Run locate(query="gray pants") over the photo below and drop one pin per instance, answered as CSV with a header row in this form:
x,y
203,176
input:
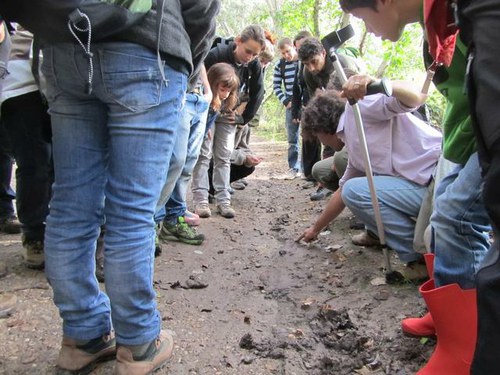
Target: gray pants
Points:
x,y
329,171
220,146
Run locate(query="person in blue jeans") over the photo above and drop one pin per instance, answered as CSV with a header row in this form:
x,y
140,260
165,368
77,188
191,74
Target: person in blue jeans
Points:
x,y
112,148
182,162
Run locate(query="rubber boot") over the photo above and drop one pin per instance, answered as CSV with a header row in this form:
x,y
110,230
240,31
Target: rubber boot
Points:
x,y
454,312
423,326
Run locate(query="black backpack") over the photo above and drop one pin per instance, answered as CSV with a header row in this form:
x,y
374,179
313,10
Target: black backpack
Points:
x,y
63,20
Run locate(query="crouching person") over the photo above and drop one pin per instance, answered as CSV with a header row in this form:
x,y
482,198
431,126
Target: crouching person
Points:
x,y
403,151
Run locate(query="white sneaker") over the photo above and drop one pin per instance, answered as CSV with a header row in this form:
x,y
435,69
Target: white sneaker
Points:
x,y
292,174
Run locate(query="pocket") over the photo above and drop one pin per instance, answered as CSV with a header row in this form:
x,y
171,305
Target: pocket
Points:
x,y
48,80
132,81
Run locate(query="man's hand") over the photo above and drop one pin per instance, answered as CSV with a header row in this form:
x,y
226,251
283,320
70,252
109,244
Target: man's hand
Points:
x,y
355,87
310,234
252,160
289,105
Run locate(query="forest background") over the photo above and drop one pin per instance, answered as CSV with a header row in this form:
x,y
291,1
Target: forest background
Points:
x,y
285,18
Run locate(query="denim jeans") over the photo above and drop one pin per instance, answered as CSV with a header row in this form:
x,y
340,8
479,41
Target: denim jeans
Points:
x,y
30,138
184,158
111,155
292,132
399,201
460,224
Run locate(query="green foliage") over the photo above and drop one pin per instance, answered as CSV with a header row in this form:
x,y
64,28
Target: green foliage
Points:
x,y
401,60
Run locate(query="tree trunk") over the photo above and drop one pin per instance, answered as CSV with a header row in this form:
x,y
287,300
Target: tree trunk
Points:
x,y
316,9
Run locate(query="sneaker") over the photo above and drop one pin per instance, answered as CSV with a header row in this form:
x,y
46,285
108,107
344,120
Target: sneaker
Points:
x,y
191,218
365,238
238,185
10,225
33,254
225,210
320,194
81,357
230,190
8,303
244,181
180,232
203,210
292,174
144,359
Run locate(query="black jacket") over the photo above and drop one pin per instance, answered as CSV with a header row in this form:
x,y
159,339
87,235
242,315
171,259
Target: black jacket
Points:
x,y
251,77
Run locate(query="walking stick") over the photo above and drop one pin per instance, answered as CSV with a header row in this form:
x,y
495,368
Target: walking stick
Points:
x,y
331,42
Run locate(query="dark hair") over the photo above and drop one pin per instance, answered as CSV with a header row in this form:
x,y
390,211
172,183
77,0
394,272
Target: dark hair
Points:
x,y
322,113
285,42
310,48
334,81
225,75
254,32
349,5
301,35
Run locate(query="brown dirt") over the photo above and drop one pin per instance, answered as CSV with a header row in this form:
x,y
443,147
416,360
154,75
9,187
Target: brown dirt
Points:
x,y
271,306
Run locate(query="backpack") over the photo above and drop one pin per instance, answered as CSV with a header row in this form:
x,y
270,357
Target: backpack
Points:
x,y
65,20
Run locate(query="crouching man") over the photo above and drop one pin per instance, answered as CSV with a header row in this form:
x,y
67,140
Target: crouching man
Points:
x,y
403,151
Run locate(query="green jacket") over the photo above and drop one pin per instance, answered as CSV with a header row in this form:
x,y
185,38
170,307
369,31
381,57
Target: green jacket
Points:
x,y
458,141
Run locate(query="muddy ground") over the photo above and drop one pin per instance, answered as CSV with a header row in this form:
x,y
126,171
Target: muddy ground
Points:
x,y
249,300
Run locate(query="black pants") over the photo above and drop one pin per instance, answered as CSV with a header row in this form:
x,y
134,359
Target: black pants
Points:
x,y
311,154
237,173
27,123
480,26
7,195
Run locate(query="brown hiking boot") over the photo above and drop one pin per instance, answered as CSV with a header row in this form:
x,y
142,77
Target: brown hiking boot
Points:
x,y
81,358
8,303
203,210
144,359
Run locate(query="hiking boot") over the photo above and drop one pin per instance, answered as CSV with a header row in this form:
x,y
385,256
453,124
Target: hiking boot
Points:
x,y
238,185
365,238
81,357
191,218
225,210
309,184
144,359
180,232
320,194
243,181
203,210
8,303
292,174
10,225
230,190
33,254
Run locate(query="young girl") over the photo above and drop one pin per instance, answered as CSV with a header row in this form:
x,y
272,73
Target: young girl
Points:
x,y
224,83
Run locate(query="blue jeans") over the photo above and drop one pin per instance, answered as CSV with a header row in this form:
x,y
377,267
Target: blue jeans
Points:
x,y
292,132
460,225
184,158
111,154
399,201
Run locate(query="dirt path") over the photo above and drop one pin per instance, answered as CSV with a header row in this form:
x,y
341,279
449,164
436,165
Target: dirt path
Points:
x,y
266,304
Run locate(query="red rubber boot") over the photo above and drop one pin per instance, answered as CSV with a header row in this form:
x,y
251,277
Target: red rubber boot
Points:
x,y
454,312
423,326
